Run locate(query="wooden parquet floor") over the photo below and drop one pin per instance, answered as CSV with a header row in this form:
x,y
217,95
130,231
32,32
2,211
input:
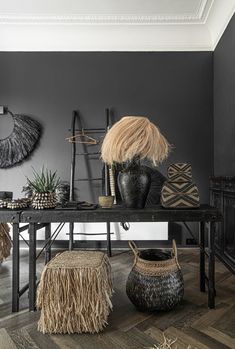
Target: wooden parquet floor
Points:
x,y
192,323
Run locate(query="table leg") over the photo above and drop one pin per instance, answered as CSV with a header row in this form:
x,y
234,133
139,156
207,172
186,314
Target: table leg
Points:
x,y
109,251
15,268
71,241
202,256
48,246
211,265
32,266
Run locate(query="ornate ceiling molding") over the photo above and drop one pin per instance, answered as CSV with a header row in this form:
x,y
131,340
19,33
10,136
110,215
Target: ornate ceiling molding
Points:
x,y
110,19
197,31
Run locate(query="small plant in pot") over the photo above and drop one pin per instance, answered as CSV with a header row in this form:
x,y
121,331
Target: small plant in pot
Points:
x,y
130,140
44,185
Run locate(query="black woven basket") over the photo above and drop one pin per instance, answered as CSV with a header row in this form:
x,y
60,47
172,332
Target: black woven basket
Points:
x,y
155,281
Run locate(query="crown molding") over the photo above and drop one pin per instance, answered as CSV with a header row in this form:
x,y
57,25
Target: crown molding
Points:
x,y
198,31
98,38
108,19
99,19
203,10
218,19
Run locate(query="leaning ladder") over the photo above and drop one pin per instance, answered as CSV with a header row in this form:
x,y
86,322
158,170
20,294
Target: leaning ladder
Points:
x,y
76,126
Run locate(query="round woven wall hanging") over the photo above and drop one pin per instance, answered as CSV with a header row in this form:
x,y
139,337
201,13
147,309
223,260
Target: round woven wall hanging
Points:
x,y
21,142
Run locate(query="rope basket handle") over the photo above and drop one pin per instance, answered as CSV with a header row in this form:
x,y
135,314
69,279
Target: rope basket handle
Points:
x,y
174,252
135,250
133,247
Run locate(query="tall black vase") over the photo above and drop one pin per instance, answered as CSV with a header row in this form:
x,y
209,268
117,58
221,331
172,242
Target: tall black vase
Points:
x,y
134,184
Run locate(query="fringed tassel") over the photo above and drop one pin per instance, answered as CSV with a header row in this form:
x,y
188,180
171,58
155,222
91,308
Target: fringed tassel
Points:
x,y
5,241
75,300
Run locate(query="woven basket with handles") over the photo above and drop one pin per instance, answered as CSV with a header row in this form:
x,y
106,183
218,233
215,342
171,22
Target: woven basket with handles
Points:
x,y
155,281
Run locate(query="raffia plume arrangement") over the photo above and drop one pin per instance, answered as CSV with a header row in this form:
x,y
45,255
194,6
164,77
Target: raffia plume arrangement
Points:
x,y
74,293
5,241
167,344
131,137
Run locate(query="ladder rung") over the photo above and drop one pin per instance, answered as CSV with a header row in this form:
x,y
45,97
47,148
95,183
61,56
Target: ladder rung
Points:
x,y
90,130
94,153
88,179
90,234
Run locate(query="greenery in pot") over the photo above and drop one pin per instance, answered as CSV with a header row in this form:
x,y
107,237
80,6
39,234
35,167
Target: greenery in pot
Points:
x,y
45,181
44,185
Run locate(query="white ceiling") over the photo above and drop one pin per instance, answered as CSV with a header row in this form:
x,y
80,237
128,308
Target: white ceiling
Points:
x,y
112,25
158,10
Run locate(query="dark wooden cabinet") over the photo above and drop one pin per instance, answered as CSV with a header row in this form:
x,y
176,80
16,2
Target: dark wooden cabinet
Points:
x,y
222,196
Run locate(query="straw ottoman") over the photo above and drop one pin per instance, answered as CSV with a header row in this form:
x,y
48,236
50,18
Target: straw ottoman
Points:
x,y
74,293
5,241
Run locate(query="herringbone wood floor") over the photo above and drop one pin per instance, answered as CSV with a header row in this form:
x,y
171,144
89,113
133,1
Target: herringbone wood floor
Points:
x,y
191,322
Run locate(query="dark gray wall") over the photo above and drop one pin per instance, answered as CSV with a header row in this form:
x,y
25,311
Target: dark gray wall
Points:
x,y
224,102
173,89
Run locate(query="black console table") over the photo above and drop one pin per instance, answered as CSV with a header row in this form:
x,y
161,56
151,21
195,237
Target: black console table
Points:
x,y
206,216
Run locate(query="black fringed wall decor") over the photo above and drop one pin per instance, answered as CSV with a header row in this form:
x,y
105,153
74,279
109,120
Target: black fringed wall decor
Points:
x,y
21,142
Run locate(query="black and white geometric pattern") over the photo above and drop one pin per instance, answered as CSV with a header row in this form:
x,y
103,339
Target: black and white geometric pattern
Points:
x,y
179,191
180,195
180,172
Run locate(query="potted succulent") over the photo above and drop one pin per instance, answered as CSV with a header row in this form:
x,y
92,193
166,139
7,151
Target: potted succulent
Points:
x,y
129,141
44,185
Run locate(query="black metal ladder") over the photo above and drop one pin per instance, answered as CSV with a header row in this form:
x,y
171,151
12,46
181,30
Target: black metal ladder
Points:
x,y
77,126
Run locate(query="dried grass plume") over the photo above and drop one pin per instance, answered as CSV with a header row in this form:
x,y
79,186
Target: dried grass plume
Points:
x,y
134,136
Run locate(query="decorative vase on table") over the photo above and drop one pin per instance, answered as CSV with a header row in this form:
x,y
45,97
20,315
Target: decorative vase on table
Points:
x,y
134,183
130,140
62,193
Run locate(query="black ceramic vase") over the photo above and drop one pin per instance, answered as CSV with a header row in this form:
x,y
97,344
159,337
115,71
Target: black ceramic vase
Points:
x,y
134,184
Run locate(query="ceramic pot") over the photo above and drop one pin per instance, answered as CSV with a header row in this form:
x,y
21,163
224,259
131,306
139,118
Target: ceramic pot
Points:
x,y
106,201
134,184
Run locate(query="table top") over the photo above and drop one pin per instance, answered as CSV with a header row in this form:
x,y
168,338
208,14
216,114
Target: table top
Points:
x,y
9,216
204,213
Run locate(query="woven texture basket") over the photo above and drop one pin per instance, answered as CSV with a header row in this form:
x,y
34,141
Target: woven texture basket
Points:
x,y
74,293
155,281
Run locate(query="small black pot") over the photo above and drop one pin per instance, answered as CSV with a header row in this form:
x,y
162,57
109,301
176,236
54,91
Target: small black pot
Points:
x,y
134,184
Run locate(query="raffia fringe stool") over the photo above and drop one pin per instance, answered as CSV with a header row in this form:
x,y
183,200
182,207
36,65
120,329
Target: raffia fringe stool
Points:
x,y
74,293
5,241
